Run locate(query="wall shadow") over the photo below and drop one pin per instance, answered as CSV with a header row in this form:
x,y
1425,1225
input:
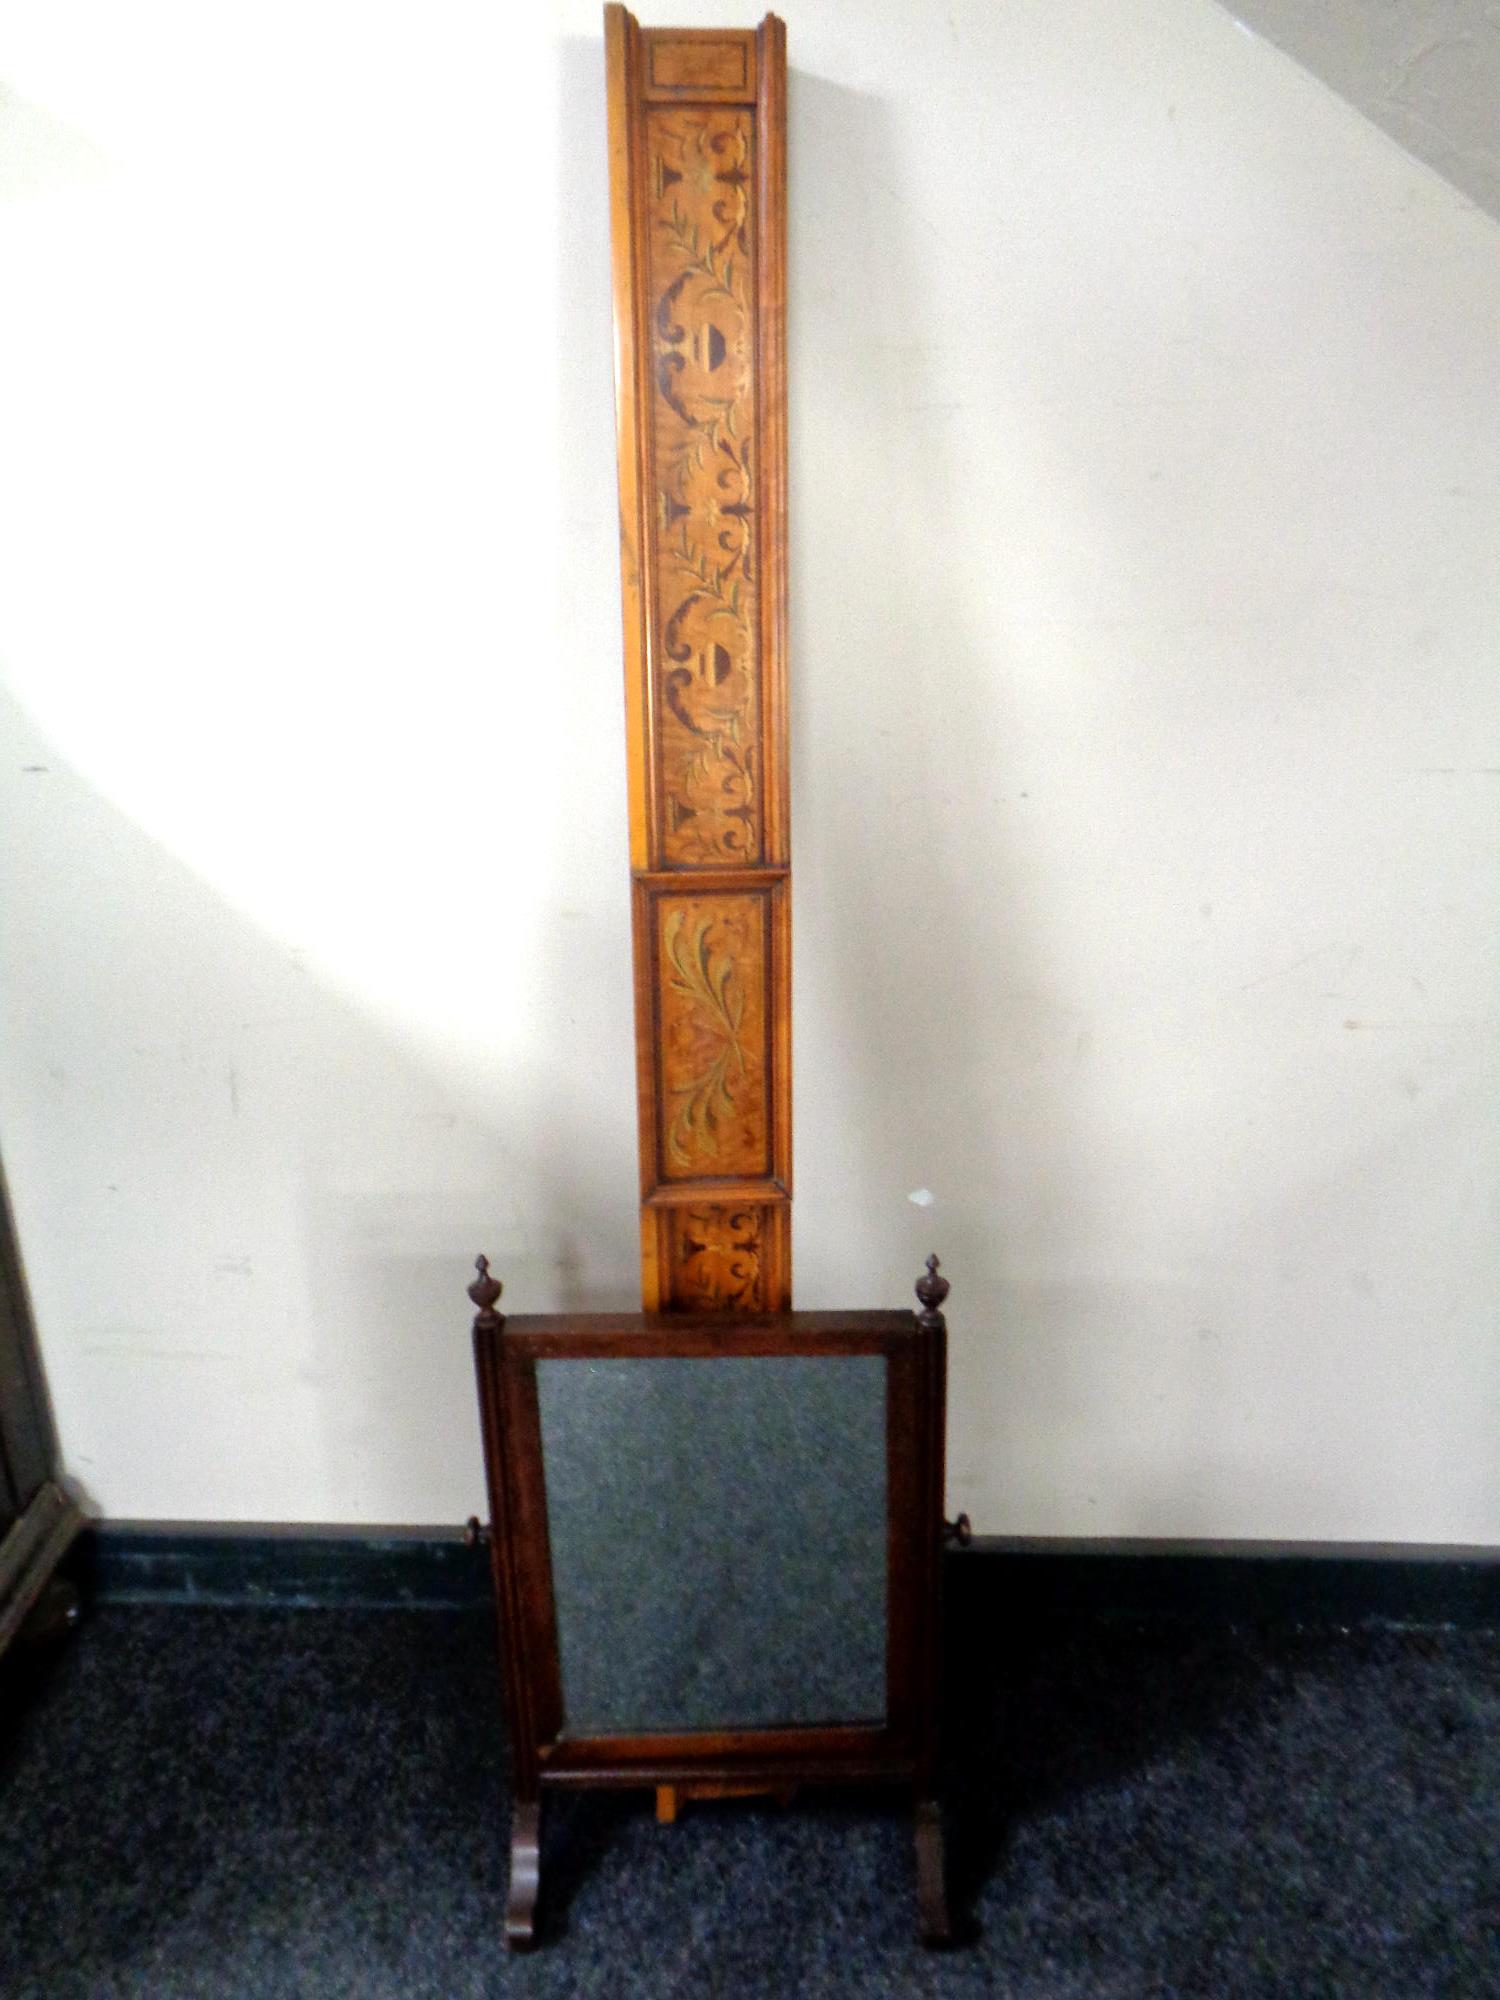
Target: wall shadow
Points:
x,y
300,1351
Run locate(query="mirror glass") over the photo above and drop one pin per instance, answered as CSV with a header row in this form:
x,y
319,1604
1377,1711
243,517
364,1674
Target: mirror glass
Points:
x,y
718,1531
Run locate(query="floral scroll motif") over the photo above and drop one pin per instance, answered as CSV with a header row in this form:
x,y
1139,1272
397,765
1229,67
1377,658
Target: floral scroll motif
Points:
x,y
713,1054
701,288
716,1259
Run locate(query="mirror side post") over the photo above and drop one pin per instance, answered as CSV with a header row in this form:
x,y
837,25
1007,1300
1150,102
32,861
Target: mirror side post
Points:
x,y
932,1884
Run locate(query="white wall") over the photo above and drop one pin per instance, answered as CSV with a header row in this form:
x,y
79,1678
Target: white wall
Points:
x,y
1145,745
1426,71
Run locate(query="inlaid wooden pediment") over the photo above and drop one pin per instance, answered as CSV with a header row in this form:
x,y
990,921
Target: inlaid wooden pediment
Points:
x,y
697,143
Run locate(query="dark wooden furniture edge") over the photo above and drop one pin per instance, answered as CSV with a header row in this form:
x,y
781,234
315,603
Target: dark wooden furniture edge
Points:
x,y
31,1552
39,1517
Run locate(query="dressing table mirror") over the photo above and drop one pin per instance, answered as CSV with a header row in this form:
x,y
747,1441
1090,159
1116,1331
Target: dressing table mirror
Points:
x,y
716,1524
717,1557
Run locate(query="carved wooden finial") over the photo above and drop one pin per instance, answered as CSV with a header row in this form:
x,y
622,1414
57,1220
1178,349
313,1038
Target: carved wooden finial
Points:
x,y
932,1290
484,1291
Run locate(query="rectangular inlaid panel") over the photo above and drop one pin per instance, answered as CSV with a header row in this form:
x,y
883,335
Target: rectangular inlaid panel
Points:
x,y
723,1254
712,1058
700,286
692,62
697,198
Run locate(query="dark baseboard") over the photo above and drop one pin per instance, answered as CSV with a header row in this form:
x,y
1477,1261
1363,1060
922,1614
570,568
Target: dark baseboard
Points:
x,y
1229,1583
995,1581
295,1566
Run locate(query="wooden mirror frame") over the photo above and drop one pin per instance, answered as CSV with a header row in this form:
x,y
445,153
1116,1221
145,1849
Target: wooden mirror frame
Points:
x,y
900,1750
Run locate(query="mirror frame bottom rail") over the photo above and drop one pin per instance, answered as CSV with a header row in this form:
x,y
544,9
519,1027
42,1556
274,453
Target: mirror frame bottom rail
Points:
x,y
723,1762
835,1750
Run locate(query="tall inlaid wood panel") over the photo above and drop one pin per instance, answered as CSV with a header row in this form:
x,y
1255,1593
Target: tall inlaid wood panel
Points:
x,y
697,135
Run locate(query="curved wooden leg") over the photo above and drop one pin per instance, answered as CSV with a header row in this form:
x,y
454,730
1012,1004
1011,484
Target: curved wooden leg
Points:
x,y
525,1873
932,1885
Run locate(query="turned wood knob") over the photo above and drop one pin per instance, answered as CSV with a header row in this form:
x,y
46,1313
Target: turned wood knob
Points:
x,y
931,1291
484,1291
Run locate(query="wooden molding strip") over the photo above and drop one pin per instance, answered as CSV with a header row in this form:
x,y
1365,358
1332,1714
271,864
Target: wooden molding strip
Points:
x,y
697,161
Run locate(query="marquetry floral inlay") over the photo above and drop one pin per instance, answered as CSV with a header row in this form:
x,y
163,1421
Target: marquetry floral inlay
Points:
x,y
713,1054
716,1258
701,268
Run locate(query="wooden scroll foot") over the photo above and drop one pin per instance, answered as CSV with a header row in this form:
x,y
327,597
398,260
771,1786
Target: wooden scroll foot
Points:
x,y
525,1873
932,1885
